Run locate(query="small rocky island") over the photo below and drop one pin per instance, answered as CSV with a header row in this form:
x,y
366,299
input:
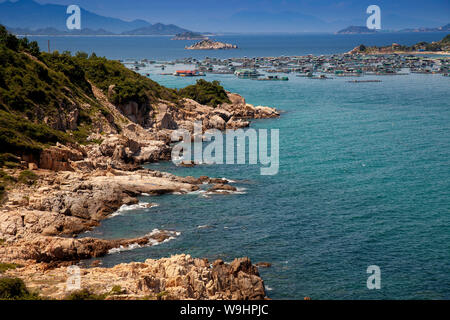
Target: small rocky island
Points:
x,y
189,35
211,45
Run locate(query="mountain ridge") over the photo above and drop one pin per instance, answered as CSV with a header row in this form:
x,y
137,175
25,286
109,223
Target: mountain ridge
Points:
x,y
31,17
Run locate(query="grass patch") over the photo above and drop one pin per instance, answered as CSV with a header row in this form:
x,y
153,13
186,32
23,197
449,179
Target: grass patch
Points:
x,y
7,266
28,177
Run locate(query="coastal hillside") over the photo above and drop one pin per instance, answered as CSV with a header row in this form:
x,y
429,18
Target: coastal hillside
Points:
x,y
52,100
436,47
49,98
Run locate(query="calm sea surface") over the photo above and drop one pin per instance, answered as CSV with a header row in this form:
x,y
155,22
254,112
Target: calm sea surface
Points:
x,y
162,48
364,177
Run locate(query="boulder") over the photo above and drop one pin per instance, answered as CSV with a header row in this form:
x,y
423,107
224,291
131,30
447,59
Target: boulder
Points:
x,y
222,187
216,122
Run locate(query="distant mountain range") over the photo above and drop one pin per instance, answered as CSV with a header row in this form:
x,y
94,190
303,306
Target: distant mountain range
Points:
x,y
29,17
355,30
363,30
445,28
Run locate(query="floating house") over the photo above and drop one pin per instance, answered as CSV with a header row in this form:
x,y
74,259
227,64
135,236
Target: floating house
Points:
x,y
188,73
247,73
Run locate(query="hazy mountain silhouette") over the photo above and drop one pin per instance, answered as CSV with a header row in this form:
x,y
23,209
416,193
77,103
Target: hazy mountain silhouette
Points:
x,y
30,15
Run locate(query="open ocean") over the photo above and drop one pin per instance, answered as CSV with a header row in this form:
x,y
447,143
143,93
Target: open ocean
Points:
x,y
364,176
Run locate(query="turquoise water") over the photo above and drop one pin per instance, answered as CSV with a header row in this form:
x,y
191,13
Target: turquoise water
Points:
x,y
364,180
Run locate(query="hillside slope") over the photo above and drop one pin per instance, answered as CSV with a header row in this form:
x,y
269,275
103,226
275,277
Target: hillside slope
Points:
x,y
65,112
437,46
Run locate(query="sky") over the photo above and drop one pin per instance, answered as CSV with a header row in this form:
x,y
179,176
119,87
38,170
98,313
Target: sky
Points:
x,y
268,15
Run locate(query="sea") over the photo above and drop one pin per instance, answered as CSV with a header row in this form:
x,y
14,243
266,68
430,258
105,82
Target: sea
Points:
x,y
364,175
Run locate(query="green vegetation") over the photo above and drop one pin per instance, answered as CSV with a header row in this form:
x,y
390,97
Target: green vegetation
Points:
x,y
116,290
204,92
15,289
28,177
5,180
128,85
84,294
18,135
8,266
163,295
442,45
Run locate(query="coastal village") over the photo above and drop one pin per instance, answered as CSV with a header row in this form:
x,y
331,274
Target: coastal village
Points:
x,y
315,67
395,59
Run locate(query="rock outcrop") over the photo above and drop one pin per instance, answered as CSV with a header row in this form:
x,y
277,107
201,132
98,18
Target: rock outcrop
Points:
x,y
68,203
77,186
211,45
177,277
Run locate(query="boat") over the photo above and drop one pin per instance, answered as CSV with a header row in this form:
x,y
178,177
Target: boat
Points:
x,y
188,73
247,73
273,78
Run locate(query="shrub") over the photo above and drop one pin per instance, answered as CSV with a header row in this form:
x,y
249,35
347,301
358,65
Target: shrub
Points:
x,y
84,294
204,92
15,289
116,290
28,177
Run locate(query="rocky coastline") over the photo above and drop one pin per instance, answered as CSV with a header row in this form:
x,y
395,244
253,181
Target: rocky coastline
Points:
x,y
76,186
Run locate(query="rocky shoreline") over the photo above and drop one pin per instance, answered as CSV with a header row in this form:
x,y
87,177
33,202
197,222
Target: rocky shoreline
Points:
x,y
77,186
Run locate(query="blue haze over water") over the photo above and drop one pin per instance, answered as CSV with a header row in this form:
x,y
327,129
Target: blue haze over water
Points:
x,y
364,177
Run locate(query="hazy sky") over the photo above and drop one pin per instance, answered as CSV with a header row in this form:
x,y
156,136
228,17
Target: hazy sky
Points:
x,y
212,15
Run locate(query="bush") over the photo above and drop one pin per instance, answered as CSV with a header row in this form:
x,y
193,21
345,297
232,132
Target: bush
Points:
x,y
204,92
129,86
116,290
84,294
28,177
15,289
